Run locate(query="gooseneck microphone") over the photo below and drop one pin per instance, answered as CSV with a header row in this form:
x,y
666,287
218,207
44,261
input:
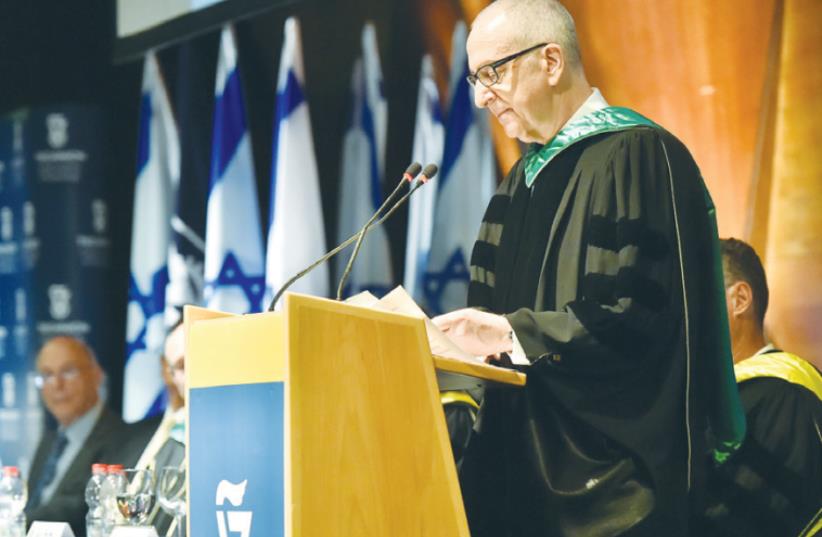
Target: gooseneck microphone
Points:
x,y
410,173
427,174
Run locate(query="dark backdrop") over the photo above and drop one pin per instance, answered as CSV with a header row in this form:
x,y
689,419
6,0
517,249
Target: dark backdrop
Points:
x,y
56,51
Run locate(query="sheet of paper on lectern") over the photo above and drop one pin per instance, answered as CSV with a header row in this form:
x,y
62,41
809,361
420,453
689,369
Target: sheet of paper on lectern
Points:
x,y
399,301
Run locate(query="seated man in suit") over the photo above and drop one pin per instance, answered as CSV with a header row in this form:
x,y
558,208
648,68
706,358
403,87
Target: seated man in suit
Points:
x,y
171,427
69,378
773,485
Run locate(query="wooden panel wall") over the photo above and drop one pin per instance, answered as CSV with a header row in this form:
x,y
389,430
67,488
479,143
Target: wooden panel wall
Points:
x,y
794,247
698,68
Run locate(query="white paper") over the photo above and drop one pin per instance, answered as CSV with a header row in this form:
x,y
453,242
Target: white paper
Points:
x,y
399,301
364,299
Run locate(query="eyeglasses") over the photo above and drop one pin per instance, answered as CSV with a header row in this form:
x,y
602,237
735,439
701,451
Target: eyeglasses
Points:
x,y
487,75
67,375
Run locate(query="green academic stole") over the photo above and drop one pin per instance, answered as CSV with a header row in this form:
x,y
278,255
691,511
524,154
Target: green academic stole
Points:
x,y
609,119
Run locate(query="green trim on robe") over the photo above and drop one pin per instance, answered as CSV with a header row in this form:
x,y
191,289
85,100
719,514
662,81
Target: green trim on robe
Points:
x,y
729,426
609,119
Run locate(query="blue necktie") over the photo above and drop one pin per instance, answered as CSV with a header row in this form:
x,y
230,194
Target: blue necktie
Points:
x,y
49,470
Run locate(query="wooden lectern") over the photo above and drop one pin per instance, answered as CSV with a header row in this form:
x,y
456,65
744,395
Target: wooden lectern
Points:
x,y
321,420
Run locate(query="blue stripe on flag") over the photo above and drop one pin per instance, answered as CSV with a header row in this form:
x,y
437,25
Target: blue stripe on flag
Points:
x,y
150,304
229,126
159,404
436,109
144,143
231,273
459,121
287,101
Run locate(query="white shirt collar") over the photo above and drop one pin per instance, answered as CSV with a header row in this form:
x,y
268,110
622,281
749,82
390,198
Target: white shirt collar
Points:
x,y
767,348
594,102
78,431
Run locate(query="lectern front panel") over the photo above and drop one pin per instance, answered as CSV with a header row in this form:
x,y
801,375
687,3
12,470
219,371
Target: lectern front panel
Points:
x,y
236,402
369,451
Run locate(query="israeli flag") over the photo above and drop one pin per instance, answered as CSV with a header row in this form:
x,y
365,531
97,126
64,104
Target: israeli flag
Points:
x,y
429,135
296,233
187,249
234,264
468,180
158,174
362,172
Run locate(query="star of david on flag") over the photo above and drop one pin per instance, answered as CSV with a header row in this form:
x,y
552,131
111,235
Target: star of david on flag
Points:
x,y
362,171
468,180
429,135
234,265
158,173
296,233
186,254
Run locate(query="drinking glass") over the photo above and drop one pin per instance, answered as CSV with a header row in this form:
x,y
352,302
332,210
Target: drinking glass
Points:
x,y
135,496
171,493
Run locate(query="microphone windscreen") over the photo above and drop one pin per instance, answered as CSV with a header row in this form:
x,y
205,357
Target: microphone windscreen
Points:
x,y
430,171
413,170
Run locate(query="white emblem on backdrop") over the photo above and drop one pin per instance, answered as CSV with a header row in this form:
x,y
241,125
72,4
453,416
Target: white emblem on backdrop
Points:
x,y
18,136
6,224
57,126
59,301
232,521
9,390
3,335
99,215
20,309
29,223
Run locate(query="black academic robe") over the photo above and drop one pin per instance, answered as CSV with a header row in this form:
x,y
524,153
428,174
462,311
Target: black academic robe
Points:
x,y
606,270
773,486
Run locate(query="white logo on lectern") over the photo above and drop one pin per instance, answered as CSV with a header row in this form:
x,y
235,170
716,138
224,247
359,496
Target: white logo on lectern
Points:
x,y
59,301
232,521
57,126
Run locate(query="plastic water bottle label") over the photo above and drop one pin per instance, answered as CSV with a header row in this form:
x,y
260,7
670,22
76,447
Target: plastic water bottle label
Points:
x,y
50,529
134,531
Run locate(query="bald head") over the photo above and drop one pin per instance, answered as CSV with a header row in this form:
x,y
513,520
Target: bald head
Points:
x,y
524,23
70,378
525,58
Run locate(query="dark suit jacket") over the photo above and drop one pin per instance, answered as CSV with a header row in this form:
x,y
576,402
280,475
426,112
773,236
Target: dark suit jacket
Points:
x,y
68,504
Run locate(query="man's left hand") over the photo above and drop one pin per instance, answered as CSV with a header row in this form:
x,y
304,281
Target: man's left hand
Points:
x,y
477,332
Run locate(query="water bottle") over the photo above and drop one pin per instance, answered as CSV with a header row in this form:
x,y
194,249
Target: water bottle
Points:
x,y
95,518
108,497
13,497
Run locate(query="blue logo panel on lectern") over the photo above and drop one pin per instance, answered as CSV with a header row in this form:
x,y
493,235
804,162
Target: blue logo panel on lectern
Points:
x,y
236,448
